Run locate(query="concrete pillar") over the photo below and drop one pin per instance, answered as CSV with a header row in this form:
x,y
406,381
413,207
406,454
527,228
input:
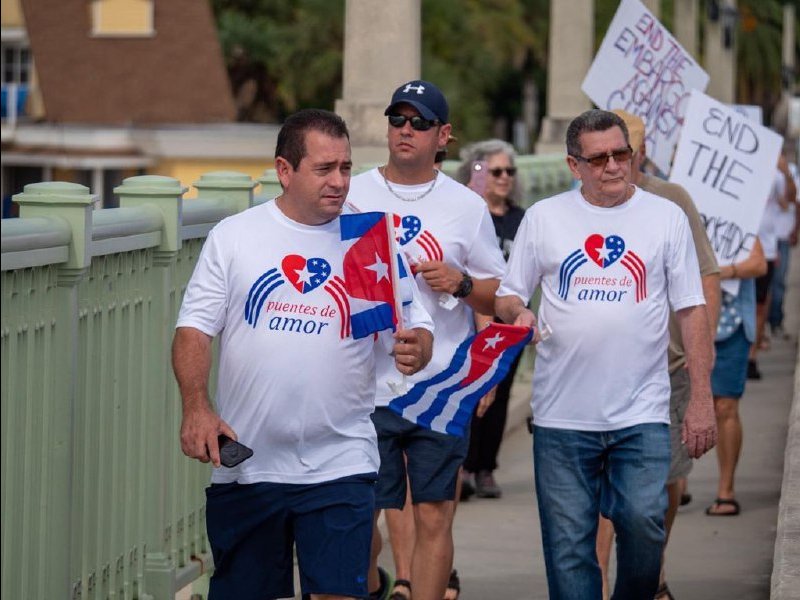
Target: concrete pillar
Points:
x,y
571,48
789,57
685,25
97,186
382,49
654,6
720,52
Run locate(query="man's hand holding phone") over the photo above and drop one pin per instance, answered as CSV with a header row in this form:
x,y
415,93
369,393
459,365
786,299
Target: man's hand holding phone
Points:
x,y
200,430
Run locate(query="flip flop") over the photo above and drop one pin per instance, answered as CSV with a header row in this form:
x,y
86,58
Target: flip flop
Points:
x,y
454,584
723,502
401,595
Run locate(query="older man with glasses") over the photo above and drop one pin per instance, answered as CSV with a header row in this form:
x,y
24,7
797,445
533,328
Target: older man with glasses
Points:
x,y
611,260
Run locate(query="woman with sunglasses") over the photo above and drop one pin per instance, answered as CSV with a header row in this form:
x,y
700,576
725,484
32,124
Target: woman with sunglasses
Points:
x,y
499,186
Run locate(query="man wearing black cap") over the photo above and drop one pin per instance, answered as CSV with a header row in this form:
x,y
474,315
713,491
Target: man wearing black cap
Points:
x,y
447,235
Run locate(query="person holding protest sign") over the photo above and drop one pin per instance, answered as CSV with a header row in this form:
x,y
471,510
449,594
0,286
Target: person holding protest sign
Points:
x,y
681,464
736,332
610,260
446,232
309,482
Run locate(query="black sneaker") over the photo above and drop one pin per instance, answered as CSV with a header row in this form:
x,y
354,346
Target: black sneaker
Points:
x,y
486,486
752,370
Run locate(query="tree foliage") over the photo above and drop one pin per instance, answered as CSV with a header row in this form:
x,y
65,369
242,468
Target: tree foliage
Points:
x,y
284,55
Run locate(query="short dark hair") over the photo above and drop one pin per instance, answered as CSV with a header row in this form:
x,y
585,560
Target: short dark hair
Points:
x,y
291,144
591,120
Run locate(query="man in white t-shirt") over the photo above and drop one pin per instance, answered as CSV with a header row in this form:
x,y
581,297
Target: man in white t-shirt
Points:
x,y
293,383
611,260
446,233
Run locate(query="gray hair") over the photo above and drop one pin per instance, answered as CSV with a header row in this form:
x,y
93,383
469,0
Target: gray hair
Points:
x,y
481,151
592,120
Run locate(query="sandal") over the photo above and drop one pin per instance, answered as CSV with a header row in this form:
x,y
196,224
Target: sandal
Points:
x,y
663,592
712,512
453,584
400,595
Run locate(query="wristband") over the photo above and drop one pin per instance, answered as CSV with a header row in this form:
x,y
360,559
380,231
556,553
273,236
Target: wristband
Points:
x,y
465,287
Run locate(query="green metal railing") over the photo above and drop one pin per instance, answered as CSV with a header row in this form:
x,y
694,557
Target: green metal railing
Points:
x,y
97,499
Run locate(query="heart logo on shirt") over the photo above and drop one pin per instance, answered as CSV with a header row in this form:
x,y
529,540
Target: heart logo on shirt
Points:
x,y
305,274
406,228
604,251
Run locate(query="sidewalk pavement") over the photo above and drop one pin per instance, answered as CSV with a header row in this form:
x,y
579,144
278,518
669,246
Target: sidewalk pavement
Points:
x,y
498,545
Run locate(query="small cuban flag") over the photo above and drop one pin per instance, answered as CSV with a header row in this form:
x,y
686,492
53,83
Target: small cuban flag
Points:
x,y
372,273
445,402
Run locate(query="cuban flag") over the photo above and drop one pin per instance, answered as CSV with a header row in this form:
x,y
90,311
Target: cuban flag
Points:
x,y
445,402
371,272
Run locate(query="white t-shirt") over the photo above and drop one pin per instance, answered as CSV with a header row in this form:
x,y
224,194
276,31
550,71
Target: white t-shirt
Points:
x,y
608,278
450,224
768,228
784,222
291,383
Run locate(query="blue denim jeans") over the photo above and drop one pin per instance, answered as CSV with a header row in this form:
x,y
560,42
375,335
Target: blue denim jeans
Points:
x,y
621,474
775,316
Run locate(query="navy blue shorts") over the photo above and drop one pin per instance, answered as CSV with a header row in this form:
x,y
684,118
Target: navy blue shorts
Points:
x,y
252,528
429,458
730,367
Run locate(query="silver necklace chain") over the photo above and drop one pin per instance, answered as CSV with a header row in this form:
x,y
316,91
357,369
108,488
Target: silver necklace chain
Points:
x,y
382,171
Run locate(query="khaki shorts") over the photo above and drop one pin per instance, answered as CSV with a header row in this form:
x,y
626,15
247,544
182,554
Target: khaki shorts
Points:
x,y
681,464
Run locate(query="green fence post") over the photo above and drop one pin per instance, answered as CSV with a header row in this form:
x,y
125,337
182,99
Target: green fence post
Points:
x,y
234,187
160,564
46,564
270,185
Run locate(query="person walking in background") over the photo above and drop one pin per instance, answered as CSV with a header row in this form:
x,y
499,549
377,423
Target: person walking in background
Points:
x,y
446,232
787,226
610,260
736,333
499,186
680,464
310,481
780,197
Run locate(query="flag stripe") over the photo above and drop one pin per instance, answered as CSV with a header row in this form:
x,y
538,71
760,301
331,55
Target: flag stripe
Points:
x,y
336,289
252,293
257,313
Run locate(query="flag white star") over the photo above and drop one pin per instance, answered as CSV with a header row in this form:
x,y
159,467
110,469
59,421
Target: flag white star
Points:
x,y
400,232
493,341
381,269
304,275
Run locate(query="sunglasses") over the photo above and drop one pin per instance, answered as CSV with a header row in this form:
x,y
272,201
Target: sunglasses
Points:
x,y
417,122
498,171
601,160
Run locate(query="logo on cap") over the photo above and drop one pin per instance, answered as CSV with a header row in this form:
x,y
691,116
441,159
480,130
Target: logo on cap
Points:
x,y
419,88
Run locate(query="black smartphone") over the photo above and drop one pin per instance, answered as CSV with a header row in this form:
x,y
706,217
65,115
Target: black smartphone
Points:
x,y
231,452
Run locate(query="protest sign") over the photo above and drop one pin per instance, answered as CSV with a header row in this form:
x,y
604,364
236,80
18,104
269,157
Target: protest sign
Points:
x,y
751,111
642,69
727,163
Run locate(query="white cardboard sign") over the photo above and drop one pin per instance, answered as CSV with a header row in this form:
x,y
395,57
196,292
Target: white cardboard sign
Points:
x,y
726,161
642,69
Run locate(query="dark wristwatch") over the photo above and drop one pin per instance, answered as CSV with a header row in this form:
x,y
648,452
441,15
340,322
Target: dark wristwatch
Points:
x,y
465,287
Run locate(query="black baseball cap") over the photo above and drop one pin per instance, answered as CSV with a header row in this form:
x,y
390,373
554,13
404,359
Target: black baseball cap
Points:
x,y
425,97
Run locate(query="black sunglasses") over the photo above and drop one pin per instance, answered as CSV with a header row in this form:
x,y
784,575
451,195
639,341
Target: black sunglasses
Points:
x,y
498,171
601,160
417,122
